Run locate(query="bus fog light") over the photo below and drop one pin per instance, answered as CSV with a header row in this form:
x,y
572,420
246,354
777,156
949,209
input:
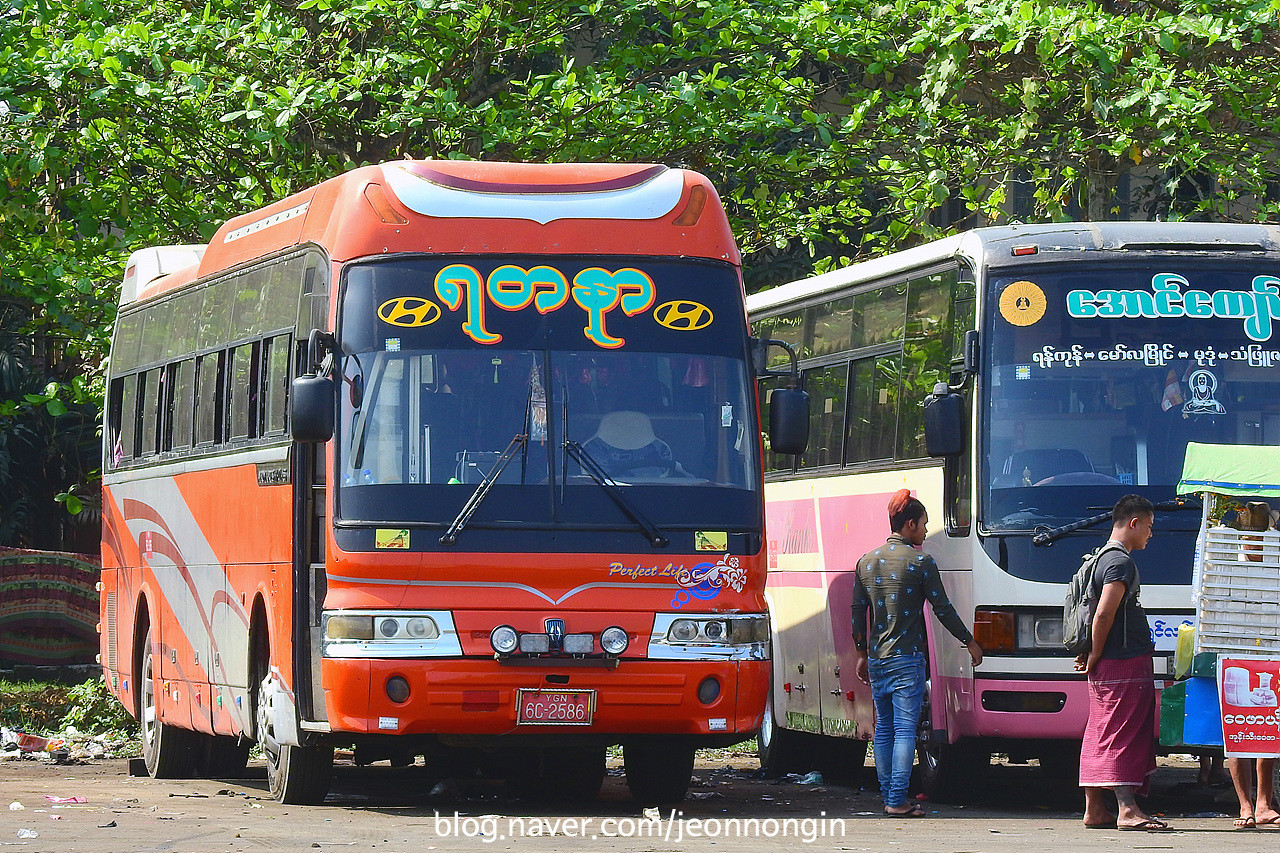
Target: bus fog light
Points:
x,y
388,628
614,640
683,631
343,627
535,644
504,639
422,628
708,690
397,689
579,644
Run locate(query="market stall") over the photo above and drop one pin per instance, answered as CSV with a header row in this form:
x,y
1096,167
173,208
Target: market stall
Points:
x,y
1236,591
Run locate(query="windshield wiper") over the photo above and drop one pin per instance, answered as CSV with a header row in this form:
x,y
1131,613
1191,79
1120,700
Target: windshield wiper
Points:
x,y
486,485
597,473
1048,537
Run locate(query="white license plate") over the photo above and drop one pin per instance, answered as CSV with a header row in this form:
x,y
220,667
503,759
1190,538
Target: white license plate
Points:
x,y
535,706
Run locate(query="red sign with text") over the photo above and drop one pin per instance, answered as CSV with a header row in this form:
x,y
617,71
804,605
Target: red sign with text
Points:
x,y
1247,695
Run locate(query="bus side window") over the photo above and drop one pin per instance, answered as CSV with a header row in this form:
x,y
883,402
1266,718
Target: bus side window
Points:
x,y
827,388
207,420
242,396
150,400
123,414
183,396
873,410
275,385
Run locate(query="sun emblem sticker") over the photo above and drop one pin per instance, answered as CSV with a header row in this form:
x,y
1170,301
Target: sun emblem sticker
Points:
x,y
1023,303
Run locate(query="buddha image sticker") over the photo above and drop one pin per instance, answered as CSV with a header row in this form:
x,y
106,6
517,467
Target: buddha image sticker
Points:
x,y
1023,303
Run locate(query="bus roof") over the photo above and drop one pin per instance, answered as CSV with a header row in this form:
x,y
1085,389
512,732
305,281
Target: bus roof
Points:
x,y
1018,245
449,207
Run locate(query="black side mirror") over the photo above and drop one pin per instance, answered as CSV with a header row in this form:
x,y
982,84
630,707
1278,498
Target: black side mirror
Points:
x,y
311,408
788,420
944,422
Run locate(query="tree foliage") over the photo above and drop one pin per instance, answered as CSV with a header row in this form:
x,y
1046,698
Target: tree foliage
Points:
x,y
833,128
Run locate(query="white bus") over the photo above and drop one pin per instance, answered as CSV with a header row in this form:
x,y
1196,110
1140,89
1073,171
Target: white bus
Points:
x,y
1086,356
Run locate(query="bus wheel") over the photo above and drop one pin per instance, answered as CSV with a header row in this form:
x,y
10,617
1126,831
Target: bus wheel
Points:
x,y
658,772
842,759
949,771
296,774
225,757
169,752
779,750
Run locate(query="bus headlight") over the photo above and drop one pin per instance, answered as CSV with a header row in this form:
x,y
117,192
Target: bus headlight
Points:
x,y
345,627
709,637
614,640
390,634
504,639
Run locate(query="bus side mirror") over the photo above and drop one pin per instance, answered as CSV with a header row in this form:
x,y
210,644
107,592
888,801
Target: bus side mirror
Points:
x,y
944,422
311,408
788,421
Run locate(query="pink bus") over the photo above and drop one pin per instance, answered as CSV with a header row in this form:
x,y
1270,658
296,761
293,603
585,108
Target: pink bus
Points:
x,y
1081,359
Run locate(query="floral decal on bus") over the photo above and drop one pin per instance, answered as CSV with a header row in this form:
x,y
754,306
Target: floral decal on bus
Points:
x,y
727,572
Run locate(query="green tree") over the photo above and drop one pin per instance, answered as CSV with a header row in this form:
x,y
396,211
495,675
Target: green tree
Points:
x,y
833,128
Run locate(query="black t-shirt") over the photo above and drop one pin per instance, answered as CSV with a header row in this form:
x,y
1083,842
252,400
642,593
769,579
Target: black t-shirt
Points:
x,y
1130,635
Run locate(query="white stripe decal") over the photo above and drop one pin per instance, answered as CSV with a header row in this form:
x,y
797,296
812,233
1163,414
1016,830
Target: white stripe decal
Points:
x,y
198,597
518,586
656,197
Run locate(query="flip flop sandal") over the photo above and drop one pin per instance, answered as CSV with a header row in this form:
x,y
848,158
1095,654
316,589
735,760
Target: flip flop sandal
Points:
x,y
1151,825
1244,823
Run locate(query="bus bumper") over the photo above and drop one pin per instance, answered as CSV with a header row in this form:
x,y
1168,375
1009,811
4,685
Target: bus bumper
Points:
x,y
478,697
1025,709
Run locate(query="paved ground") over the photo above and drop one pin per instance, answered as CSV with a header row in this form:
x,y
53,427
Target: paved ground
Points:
x,y
384,809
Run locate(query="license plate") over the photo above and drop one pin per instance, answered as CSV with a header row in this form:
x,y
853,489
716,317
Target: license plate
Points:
x,y
555,707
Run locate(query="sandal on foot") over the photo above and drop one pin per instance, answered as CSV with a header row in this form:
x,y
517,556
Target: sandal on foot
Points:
x,y
914,811
1148,825
1244,822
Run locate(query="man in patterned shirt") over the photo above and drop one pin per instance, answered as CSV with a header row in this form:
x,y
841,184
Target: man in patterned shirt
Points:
x,y
893,582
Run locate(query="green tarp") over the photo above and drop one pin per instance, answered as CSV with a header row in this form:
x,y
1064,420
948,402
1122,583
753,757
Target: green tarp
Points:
x,y
1231,469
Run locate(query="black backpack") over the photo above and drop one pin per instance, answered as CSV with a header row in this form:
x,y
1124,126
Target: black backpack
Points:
x,y
1082,602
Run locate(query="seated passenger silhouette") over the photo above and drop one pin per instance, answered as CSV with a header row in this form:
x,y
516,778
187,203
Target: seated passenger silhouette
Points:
x,y
625,446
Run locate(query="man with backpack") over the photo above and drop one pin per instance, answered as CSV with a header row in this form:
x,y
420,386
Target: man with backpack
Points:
x,y
1118,751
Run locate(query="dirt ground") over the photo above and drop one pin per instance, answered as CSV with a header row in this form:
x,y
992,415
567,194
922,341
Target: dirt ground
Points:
x,y
409,809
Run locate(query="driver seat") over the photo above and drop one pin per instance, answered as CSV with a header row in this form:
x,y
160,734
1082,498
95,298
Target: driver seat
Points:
x,y
1042,464
624,443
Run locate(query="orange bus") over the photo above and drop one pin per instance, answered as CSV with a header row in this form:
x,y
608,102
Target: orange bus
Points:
x,y
457,460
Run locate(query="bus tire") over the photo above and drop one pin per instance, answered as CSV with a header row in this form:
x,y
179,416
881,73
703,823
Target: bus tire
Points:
x,y
168,751
949,772
296,774
779,750
658,772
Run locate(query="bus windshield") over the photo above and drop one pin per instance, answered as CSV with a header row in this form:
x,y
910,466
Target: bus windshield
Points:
x,y
1098,377
427,411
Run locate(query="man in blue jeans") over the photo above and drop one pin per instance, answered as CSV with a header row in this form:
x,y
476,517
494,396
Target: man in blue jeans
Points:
x,y
893,583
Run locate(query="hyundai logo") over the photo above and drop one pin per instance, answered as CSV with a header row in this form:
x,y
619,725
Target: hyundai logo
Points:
x,y
409,311
683,315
